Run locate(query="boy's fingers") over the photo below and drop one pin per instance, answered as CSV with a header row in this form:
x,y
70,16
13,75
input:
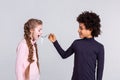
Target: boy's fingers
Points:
x,y
49,36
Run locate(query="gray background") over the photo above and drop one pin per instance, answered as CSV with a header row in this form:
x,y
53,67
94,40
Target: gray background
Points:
x,y
59,17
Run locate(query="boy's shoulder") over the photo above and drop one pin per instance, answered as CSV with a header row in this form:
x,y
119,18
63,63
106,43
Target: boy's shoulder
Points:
x,y
94,41
77,41
99,43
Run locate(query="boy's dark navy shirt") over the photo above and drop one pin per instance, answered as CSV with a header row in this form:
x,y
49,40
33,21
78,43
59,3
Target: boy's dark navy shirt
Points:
x,y
88,58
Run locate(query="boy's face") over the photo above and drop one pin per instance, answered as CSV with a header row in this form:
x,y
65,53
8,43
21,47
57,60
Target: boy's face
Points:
x,y
83,32
36,32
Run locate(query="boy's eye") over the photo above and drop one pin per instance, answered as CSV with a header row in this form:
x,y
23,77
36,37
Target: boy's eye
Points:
x,y
81,28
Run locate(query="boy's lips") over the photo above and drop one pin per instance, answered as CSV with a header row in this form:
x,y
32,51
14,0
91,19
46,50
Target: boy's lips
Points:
x,y
80,34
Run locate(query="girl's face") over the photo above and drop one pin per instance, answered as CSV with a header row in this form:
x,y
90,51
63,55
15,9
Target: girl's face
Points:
x,y
83,32
36,32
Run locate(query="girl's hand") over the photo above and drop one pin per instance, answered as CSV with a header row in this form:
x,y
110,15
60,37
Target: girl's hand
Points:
x,y
52,37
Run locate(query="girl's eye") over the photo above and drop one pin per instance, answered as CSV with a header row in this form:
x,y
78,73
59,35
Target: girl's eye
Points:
x,y
39,30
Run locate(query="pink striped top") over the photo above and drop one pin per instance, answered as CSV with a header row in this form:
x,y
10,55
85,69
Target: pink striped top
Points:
x,y
22,62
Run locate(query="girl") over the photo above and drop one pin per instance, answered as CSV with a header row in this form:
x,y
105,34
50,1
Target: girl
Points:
x,y
87,51
27,64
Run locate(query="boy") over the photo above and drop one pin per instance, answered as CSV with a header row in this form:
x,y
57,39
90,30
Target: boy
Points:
x,y
88,53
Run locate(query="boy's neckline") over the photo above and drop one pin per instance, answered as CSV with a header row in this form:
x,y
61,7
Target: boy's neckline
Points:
x,y
92,38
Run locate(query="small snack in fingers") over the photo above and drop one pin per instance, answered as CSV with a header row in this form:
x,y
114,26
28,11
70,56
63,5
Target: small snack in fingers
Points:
x,y
52,37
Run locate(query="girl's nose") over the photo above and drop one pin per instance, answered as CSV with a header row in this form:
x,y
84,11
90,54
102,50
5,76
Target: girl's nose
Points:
x,y
41,32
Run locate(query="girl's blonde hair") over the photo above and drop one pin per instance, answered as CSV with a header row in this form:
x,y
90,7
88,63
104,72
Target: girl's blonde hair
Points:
x,y
30,24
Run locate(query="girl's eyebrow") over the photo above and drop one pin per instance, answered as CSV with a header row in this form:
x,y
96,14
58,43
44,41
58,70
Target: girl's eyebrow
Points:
x,y
40,28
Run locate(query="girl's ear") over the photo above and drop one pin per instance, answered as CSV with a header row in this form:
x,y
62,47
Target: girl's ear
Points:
x,y
31,30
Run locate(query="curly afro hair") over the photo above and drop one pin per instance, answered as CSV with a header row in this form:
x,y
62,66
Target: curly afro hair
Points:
x,y
91,21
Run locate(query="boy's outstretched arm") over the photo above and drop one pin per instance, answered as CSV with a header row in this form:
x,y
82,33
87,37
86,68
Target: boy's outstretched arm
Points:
x,y
63,54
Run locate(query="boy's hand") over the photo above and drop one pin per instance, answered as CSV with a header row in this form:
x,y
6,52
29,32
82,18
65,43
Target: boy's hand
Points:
x,y
52,37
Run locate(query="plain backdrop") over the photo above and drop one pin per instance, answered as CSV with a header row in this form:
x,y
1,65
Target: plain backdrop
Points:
x,y
59,17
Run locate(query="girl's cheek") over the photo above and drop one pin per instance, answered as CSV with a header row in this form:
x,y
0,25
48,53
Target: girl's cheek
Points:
x,y
41,31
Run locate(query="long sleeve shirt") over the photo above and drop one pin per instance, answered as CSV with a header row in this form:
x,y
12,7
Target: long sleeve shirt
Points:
x,y
88,55
22,62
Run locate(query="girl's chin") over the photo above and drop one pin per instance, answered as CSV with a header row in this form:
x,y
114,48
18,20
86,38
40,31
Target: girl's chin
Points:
x,y
35,39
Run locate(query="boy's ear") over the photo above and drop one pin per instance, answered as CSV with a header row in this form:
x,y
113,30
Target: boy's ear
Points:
x,y
91,29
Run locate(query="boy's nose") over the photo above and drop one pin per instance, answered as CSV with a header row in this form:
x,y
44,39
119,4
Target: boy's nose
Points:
x,y
78,30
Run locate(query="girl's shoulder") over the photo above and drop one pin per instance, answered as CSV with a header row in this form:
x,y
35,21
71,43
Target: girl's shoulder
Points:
x,y
22,44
